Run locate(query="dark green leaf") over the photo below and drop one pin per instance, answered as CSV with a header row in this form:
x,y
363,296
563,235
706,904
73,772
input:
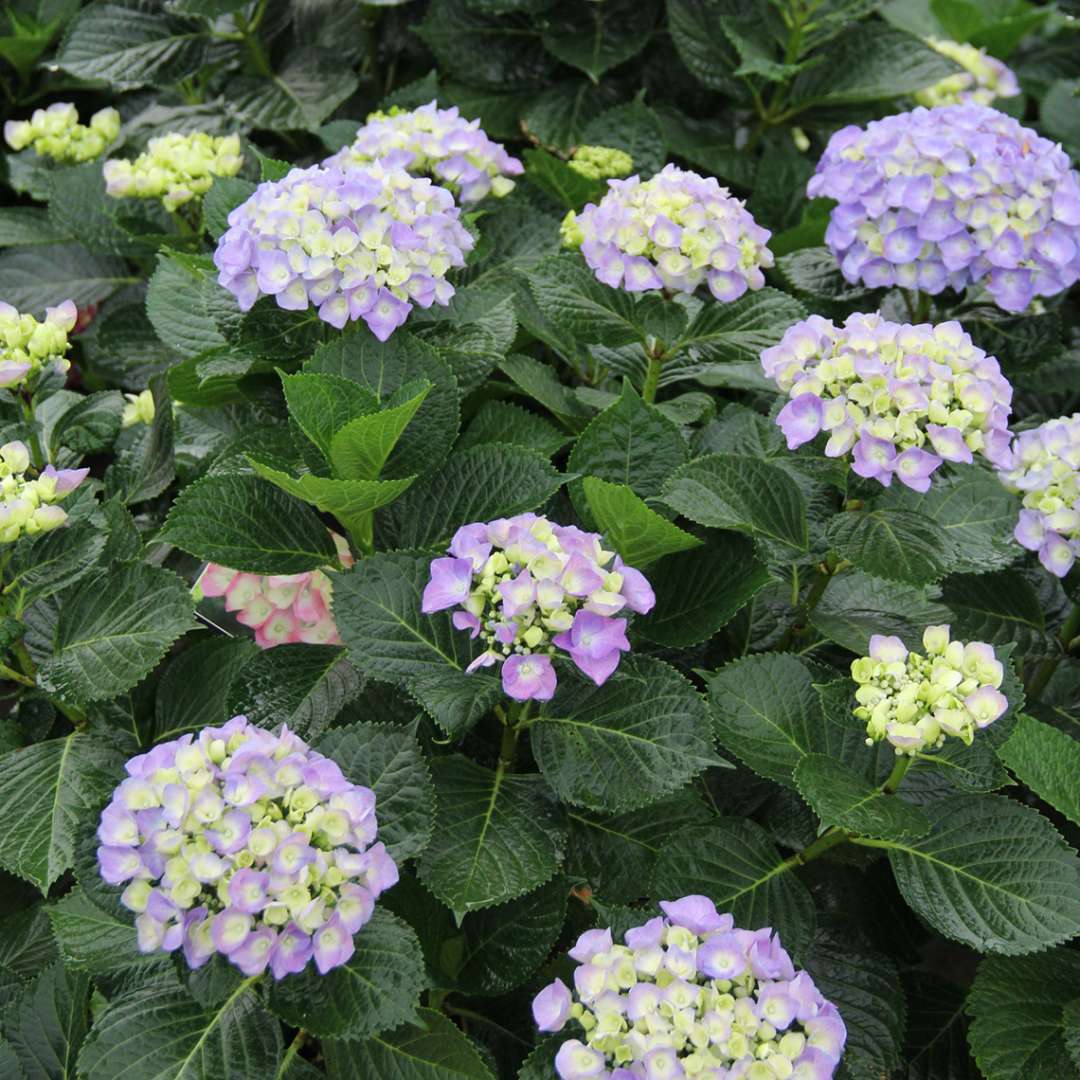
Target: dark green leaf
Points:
x,y
33,278
50,1022
600,36
504,422
893,544
1047,761
998,608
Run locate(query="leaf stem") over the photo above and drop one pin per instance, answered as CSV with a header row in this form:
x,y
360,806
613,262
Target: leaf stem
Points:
x,y
1044,672
26,401
903,763
826,571
290,1053
655,361
816,848
15,676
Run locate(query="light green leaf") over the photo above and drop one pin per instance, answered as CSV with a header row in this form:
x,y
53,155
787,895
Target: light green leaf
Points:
x,y
731,491
323,404
379,988
696,592
388,760
992,874
893,544
497,835
1047,761
637,532
162,1031
1017,1007
640,736
48,789
841,797
303,686
432,1049
480,484
265,531
113,629
735,864
360,448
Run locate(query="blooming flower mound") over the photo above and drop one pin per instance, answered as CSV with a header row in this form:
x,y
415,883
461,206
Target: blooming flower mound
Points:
x,y
915,701
357,244
28,506
175,168
280,608
245,843
903,398
28,347
673,232
1044,467
56,133
948,197
434,142
983,79
526,588
690,995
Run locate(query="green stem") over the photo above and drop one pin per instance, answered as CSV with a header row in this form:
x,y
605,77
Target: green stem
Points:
x,y
290,1054
903,763
828,839
1044,672
14,676
825,573
38,455
652,373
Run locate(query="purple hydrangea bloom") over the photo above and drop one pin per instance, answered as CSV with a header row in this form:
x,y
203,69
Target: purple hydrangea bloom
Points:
x,y
246,843
1043,465
434,142
676,231
899,398
914,701
527,588
362,243
27,505
689,994
951,196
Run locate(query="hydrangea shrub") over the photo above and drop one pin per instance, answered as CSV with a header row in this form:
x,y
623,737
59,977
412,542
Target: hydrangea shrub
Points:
x,y
538,541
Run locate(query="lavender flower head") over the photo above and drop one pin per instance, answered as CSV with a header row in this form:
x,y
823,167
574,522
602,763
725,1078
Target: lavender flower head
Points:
x,y
947,197
28,347
983,79
28,505
900,398
1044,466
245,843
281,608
690,995
434,142
915,701
672,232
356,244
527,588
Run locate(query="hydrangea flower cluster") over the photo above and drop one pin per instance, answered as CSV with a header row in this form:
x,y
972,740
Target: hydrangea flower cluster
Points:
x,y
56,133
526,588
601,162
886,391
280,608
915,701
983,79
29,347
28,506
245,843
947,197
690,995
1044,466
433,142
358,244
174,168
672,232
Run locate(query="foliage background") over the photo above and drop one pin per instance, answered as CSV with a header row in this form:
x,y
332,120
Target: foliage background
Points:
x,y
703,766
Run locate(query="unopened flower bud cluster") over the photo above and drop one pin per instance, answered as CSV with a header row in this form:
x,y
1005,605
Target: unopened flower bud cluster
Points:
x,y
675,231
434,142
526,588
1044,466
174,168
601,162
361,243
690,995
138,409
245,843
56,133
949,197
28,506
900,398
29,348
915,701
984,78
280,608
